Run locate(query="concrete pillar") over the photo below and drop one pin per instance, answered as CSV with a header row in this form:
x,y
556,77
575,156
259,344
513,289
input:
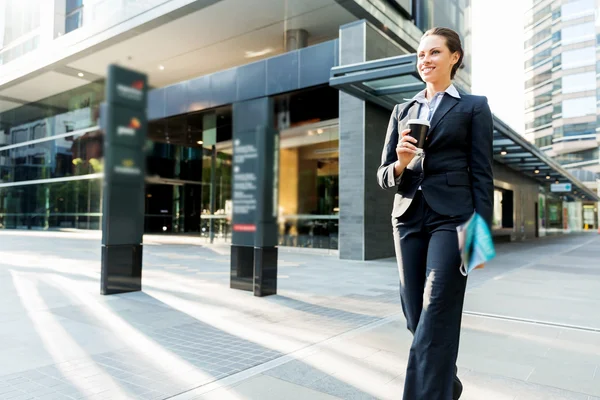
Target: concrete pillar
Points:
x,y
365,209
295,39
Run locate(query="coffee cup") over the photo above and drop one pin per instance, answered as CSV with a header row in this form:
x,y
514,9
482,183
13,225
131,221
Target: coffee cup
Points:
x,y
419,129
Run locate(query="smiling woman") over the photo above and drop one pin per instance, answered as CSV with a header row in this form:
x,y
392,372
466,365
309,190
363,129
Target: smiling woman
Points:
x,y
438,187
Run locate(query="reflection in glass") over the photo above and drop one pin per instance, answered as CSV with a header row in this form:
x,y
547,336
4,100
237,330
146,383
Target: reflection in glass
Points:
x,y
67,156
70,204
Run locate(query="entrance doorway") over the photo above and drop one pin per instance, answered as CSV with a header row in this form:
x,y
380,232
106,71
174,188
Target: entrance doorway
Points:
x,y
172,206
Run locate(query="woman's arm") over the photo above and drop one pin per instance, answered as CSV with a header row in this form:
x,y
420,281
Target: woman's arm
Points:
x,y
385,173
481,160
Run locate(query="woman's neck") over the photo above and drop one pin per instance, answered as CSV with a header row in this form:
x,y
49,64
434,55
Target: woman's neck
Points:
x,y
435,87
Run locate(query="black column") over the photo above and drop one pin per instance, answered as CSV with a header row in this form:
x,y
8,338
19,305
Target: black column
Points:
x,y
254,219
124,123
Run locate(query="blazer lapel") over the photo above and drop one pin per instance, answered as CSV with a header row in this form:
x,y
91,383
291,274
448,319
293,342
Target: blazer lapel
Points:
x,y
406,111
445,105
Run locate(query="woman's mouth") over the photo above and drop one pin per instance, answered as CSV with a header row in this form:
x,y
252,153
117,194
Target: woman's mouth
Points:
x,y
427,70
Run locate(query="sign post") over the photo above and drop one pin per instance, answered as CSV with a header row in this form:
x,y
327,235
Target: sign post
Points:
x,y
254,219
124,121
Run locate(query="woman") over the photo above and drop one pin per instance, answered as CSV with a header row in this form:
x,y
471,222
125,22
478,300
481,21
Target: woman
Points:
x,y
435,193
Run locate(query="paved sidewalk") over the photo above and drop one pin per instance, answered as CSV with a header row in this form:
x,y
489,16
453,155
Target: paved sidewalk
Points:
x,y
531,328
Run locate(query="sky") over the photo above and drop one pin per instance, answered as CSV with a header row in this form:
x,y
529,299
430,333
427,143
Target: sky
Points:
x,y
498,57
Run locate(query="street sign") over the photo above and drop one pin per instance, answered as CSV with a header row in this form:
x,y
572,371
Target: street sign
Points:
x,y
560,187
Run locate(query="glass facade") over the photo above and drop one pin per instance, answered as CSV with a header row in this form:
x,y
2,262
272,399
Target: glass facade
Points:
x,y
184,195
51,158
571,66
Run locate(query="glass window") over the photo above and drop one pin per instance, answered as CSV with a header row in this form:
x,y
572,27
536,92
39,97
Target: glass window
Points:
x,y
578,33
543,141
538,100
540,121
73,4
579,82
579,58
579,107
539,57
579,129
577,9
67,156
531,18
74,15
73,21
42,119
538,78
579,156
72,204
543,34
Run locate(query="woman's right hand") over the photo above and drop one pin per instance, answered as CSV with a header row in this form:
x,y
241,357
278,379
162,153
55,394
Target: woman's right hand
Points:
x,y
405,150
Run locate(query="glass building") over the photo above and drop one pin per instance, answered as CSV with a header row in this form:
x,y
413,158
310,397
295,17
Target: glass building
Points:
x,y
563,91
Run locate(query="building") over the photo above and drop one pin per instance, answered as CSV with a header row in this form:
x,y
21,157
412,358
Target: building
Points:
x,y
332,68
562,94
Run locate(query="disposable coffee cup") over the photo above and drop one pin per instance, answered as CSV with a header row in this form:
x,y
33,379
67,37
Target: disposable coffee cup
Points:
x,y
418,130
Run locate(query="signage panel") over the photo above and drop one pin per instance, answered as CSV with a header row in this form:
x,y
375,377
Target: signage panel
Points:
x,y
126,88
560,187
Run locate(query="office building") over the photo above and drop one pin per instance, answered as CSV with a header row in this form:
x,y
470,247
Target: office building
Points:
x,y
333,69
562,97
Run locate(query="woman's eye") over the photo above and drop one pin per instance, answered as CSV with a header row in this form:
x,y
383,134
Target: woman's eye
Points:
x,y
435,52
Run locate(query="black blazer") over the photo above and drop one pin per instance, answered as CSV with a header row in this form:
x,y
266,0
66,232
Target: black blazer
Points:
x,y
457,176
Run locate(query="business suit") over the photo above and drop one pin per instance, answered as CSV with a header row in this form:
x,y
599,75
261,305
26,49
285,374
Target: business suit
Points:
x,y
433,196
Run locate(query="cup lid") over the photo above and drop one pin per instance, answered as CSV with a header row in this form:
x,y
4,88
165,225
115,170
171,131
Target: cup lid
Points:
x,y
418,122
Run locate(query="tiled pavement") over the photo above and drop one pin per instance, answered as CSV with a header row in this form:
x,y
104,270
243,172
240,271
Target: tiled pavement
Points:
x,y
531,328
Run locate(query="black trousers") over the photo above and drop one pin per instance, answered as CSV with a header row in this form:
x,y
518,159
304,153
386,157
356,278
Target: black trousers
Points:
x,y
432,292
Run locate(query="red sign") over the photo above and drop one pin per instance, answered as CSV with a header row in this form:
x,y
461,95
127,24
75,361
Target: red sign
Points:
x,y
244,228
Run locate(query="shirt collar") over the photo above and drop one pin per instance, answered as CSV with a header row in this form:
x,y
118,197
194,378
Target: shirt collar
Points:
x,y
420,97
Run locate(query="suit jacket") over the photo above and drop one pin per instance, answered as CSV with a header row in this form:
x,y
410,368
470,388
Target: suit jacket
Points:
x,y
456,176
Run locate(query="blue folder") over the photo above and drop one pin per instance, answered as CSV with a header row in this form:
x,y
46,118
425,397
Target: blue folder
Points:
x,y
475,243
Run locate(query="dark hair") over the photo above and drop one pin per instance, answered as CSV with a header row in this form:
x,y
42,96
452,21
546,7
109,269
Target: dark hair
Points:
x,y
452,42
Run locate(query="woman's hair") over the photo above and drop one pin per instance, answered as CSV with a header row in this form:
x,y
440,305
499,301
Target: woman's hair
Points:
x,y
452,42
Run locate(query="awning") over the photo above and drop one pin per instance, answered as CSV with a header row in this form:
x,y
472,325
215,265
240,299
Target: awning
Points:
x,y
391,81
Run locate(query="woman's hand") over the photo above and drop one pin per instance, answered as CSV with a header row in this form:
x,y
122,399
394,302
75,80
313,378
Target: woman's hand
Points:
x,y
405,150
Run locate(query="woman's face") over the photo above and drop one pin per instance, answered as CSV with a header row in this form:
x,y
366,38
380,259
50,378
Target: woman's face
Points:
x,y
435,60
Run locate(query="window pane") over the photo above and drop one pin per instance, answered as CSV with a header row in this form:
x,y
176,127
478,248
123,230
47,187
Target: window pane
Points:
x,y
579,107
578,33
578,58
73,4
74,204
63,157
579,82
577,9
73,21
580,156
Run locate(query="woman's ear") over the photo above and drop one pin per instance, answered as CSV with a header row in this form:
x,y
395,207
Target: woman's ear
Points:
x,y
455,57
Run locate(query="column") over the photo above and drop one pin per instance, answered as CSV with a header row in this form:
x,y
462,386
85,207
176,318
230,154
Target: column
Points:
x,y
365,208
125,125
254,187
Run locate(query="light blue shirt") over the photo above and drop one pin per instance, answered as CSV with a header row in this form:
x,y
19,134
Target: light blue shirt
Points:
x,y
428,107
